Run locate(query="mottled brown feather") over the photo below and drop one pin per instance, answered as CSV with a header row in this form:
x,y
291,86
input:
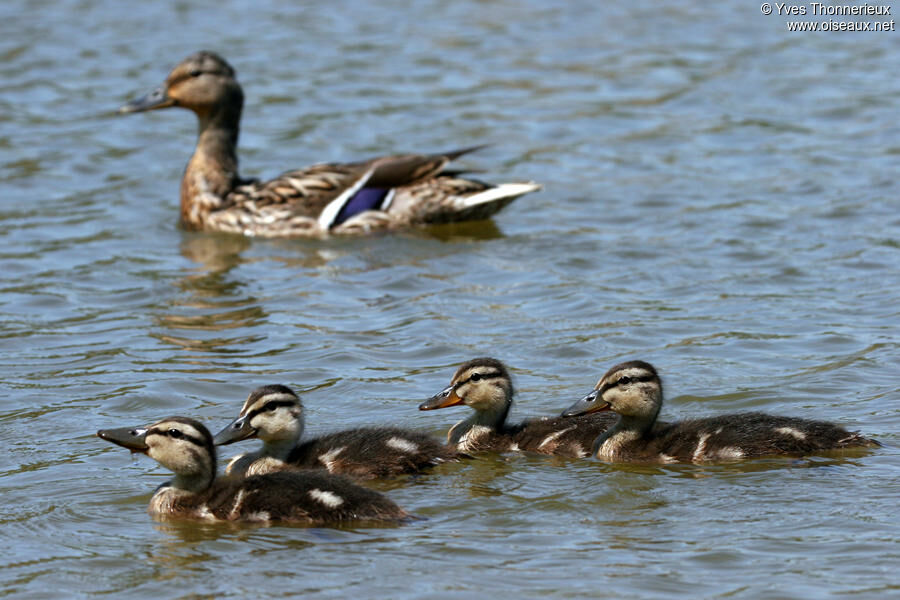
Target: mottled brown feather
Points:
x,y
214,197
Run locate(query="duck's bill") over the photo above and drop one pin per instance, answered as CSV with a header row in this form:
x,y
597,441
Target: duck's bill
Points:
x,y
589,404
447,397
237,430
133,438
155,99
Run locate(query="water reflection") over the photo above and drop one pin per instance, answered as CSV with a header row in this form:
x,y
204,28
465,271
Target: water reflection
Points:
x,y
212,300
217,253
215,298
838,458
180,535
462,232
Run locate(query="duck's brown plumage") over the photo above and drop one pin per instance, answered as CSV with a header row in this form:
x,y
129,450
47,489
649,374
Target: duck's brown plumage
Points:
x,y
634,390
351,198
185,446
274,414
485,385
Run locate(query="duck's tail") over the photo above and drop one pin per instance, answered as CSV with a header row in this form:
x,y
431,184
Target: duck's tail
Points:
x,y
452,199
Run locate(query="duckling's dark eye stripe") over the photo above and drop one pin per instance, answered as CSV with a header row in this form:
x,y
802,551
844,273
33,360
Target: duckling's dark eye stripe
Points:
x,y
184,436
478,377
627,380
270,405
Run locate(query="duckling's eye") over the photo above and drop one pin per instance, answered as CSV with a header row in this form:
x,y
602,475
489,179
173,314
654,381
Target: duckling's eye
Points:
x,y
270,406
175,434
624,380
475,377
196,73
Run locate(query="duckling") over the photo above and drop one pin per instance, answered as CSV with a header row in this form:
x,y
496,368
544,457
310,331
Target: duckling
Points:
x,y
353,198
485,385
185,447
274,414
634,390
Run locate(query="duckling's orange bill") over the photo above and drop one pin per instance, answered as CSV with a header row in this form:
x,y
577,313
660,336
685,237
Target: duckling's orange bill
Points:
x,y
155,99
447,397
587,405
133,438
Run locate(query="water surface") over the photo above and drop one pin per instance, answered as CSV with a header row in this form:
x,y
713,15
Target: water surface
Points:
x,y
720,199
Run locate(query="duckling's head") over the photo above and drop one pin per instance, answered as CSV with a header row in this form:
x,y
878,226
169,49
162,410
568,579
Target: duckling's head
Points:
x,y
483,384
272,413
182,445
203,82
633,389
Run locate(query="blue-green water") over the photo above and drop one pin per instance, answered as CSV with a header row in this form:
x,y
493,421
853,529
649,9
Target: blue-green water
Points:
x,y
720,199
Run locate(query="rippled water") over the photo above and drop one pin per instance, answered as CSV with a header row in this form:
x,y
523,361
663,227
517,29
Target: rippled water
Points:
x,y
720,199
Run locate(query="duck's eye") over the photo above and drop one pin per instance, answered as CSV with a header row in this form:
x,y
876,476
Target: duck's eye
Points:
x,y
270,406
175,433
196,73
624,380
475,377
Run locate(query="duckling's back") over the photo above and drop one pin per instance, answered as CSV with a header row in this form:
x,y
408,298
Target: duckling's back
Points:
x,y
309,497
561,436
368,452
746,435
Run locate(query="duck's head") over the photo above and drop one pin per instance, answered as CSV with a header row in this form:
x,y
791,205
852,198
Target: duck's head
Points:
x,y
272,413
182,445
483,384
203,82
633,389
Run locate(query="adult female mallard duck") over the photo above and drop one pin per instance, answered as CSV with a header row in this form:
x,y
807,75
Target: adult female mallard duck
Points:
x,y
274,414
485,385
377,194
634,390
185,447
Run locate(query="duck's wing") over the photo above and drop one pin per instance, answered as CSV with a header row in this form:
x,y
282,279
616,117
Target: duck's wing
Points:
x,y
449,199
406,169
381,193
317,192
